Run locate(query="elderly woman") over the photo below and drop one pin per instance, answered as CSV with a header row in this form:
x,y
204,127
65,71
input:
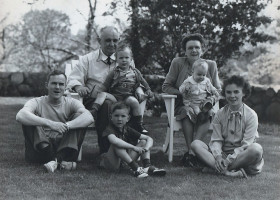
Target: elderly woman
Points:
x,y
181,69
232,149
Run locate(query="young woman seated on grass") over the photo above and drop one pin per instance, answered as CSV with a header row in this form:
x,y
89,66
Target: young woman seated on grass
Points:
x,y
233,150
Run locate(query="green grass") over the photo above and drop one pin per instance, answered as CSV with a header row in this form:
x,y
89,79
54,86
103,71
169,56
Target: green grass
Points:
x,y
21,180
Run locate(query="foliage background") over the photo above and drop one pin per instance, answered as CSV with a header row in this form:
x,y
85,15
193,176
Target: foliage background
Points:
x,y
240,36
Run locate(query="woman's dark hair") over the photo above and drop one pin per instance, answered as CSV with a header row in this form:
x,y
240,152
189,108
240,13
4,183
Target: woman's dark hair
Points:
x,y
194,36
240,82
120,105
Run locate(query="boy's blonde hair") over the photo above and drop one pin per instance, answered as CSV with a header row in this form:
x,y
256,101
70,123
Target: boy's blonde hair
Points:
x,y
123,47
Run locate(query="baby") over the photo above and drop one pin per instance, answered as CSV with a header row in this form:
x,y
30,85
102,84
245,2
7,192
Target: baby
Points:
x,y
199,95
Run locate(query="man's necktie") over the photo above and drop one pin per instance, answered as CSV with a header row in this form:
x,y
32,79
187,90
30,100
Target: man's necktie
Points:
x,y
108,60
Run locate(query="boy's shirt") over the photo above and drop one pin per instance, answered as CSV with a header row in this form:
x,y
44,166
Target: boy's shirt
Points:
x,y
128,134
114,77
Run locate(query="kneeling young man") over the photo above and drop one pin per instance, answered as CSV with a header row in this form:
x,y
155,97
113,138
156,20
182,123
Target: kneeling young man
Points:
x,y
53,126
127,145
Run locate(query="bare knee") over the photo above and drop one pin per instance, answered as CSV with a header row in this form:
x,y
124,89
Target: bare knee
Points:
x,y
102,95
197,144
132,101
117,150
142,143
255,150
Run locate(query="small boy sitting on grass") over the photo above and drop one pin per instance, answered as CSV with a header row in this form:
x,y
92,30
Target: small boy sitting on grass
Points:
x,y
127,145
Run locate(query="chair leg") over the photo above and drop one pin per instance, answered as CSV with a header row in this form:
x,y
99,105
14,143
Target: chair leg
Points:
x,y
170,152
80,154
165,146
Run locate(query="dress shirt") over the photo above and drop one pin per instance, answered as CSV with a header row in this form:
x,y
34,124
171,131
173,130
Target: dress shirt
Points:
x,y
91,71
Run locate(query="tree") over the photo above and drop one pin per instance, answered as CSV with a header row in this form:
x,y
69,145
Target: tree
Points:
x,y
158,26
90,24
3,52
41,41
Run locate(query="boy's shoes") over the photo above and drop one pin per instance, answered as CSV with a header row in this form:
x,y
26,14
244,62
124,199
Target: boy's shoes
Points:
x,y
140,173
140,128
68,165
207,106
143,130
152,170
51,166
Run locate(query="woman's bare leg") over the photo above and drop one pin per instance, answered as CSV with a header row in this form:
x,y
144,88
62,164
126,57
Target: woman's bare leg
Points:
x,y
188,131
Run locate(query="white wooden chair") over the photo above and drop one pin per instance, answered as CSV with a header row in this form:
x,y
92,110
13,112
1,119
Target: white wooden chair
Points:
x,y
68,69
174,125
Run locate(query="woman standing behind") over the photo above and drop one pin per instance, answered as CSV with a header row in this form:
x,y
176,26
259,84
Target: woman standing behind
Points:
x,y
232,147
181,69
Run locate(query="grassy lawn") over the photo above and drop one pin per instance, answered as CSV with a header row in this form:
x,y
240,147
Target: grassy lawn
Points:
x,y
21,180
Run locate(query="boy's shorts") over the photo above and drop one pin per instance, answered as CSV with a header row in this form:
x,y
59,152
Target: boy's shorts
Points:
x,y
110,160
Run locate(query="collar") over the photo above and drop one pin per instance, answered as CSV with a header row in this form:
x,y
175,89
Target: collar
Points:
x,y
192,81
118,68
237,112
117,129
103,57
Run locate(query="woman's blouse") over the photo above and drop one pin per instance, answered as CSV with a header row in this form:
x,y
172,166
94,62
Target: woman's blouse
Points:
x,y
233,131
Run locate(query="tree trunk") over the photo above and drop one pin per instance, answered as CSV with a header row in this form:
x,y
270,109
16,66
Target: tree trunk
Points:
x,y
89,26
134,36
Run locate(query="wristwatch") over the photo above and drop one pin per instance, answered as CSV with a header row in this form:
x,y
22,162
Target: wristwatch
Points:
x,y
68,127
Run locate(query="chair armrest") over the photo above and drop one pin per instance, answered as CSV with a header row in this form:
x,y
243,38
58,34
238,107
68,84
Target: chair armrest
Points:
x,y
74,95
168,96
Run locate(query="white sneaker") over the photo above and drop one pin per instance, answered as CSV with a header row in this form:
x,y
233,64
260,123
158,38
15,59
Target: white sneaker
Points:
x,y
51,166
152,170
139,173
68,165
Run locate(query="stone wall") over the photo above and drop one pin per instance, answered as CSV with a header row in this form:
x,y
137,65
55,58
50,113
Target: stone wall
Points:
x,y
22,84
265,101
